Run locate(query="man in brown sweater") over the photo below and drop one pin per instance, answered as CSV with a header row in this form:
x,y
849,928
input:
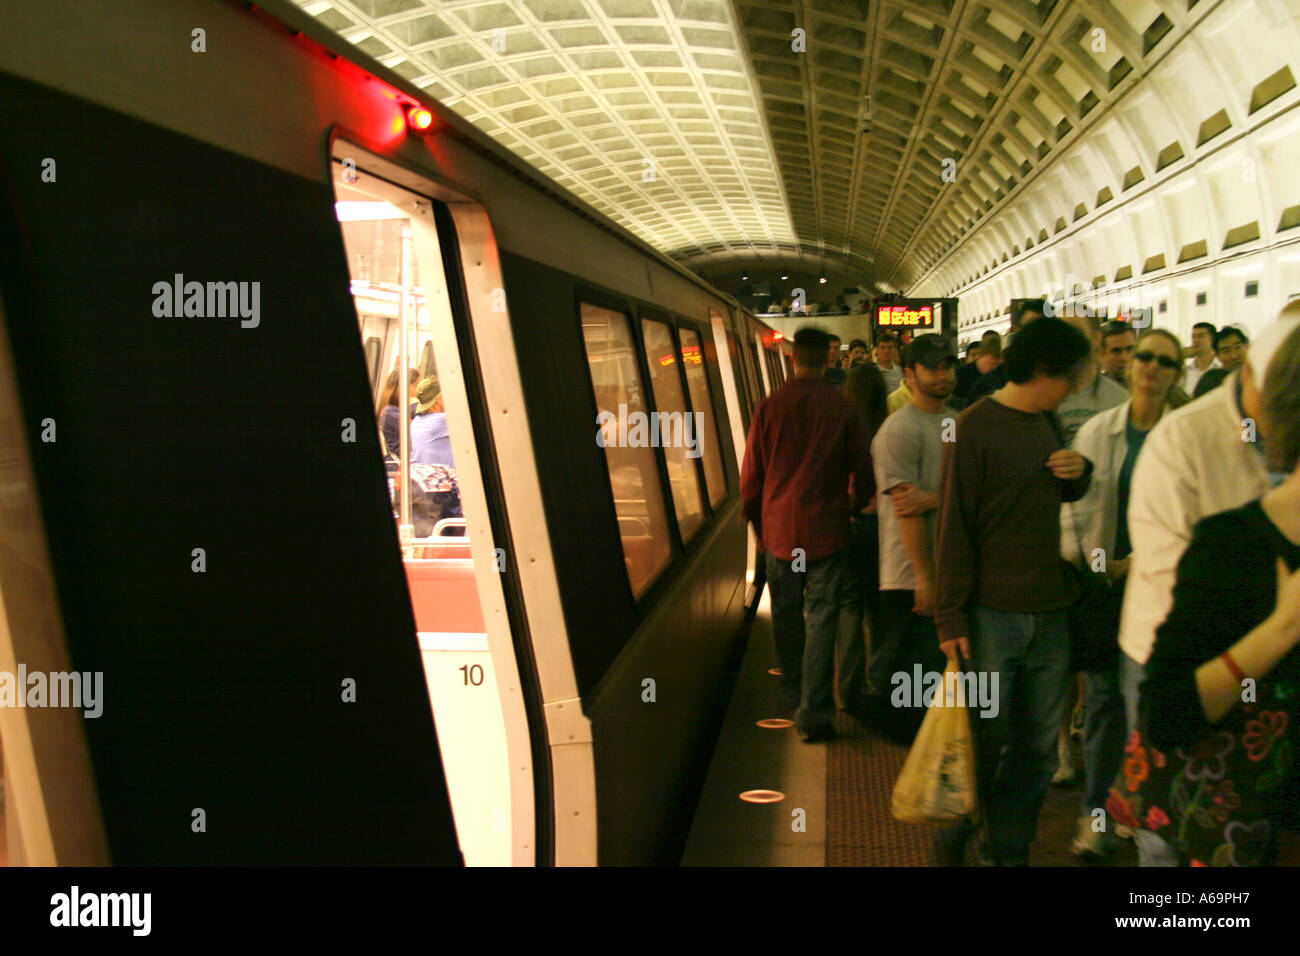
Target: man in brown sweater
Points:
x,y
1003,589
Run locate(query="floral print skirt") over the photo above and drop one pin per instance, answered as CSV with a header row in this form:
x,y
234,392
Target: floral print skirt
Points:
x,y
1212,801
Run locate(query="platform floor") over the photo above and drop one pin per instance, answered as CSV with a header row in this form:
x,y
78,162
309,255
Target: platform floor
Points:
x,y
835,810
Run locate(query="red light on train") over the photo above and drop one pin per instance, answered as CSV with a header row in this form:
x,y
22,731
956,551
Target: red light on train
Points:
x,y
778,336
419,118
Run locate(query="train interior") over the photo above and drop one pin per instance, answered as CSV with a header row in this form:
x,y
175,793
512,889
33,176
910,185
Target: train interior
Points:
x,y
400,292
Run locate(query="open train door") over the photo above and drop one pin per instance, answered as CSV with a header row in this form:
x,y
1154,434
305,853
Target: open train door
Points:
x,y
403,246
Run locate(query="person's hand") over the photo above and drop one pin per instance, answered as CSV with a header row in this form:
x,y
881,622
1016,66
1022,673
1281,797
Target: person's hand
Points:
x,y
950,648
923,599
1117,569
871,507
909,501
1066,464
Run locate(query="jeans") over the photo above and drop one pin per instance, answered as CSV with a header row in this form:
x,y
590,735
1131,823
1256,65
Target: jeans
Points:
x,y
906,638
1016,750
1103,734
859,601
1132,674
806,650
1153,849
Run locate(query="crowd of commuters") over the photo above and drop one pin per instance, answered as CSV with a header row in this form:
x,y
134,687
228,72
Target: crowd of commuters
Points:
x,y
1054,506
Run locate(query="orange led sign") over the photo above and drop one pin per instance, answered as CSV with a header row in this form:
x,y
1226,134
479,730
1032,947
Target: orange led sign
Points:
x,y
905,316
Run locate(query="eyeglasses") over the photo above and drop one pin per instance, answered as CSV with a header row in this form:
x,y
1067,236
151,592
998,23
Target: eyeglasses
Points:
x,y
1164,360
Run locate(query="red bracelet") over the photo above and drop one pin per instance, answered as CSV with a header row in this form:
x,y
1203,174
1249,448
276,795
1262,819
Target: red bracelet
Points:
x,y
1232,666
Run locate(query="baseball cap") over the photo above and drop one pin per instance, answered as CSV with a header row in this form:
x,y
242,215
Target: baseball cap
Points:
x,y
930,350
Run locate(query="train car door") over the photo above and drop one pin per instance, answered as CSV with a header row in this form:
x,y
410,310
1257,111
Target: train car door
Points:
x,y
454,566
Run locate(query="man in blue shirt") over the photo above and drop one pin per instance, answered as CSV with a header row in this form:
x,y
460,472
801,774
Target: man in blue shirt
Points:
x,y
430,440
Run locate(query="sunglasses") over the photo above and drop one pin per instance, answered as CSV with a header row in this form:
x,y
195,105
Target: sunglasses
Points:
x,y
1164,360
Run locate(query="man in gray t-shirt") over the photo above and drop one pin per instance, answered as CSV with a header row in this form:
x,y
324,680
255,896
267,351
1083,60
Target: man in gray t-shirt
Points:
x,y
1093,397
1095,392
908,453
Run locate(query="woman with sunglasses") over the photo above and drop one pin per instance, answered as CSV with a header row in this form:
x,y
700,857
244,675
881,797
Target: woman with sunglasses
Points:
x,y
1094,537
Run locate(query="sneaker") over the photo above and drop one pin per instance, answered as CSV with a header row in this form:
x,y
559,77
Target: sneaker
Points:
x,y
1064,775
1090,842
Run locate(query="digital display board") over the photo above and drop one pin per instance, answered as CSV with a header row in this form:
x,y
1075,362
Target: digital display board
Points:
x,y
905,316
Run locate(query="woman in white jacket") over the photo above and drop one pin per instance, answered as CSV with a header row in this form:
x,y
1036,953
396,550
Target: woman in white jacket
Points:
x,y
1094,537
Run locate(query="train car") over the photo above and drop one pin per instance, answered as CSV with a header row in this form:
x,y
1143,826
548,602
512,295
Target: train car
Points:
x,y
213,264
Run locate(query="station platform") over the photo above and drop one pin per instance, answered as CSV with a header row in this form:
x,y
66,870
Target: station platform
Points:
x,y
843,789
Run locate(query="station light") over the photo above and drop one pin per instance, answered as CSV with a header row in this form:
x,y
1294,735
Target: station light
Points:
x,y
744,277
822,280
784,276
419,118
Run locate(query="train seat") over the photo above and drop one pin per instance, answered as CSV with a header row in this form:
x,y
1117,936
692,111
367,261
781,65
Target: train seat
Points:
x,y
444,595
638,554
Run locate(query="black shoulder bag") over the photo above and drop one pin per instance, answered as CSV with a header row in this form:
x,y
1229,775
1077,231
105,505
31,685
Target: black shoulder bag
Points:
x,y
1094,616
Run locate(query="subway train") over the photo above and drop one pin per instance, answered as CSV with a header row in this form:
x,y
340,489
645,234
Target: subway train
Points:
x,y
223,230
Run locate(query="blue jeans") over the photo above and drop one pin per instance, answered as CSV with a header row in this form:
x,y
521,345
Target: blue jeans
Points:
x,y
1016,749
806,650
860,600
1103,734
905,638
1132,674
1153,849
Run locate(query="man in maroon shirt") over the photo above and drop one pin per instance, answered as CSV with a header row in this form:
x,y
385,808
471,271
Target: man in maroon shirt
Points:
x,y
807,454
1003,589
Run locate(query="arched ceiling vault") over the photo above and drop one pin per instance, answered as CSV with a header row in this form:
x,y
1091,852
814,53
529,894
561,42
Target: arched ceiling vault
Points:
x,y
872,136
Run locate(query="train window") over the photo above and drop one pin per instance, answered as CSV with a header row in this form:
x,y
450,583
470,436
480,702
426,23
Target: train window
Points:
x,y
773,369
697,381
670,403
742,379
761,372
633,471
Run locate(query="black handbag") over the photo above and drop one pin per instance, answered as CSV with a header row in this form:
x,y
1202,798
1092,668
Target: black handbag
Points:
x,y
1094,616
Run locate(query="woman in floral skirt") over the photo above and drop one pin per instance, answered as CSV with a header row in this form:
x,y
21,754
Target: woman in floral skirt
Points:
x,y
1211,774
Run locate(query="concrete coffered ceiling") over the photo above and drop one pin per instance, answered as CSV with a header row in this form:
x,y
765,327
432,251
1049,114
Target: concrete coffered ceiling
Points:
x,y
860,137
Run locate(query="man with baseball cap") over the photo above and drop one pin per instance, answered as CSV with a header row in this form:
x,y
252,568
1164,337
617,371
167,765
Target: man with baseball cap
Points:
x,y
1203,458
430,440
907,452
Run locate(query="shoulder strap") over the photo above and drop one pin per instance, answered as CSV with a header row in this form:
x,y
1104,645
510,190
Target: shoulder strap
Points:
x,y
1054,423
